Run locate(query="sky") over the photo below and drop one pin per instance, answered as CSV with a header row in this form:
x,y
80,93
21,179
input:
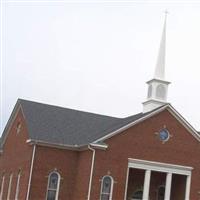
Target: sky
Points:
x,y
96,56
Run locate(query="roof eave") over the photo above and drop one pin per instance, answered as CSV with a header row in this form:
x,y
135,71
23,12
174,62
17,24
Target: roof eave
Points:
x,y
99,146
54,145
184,122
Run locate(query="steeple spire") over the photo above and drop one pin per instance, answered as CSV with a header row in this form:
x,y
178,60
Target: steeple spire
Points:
x,y
160,66
157,91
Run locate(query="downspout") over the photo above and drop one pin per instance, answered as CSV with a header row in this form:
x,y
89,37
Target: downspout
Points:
x,y
91,171
31,171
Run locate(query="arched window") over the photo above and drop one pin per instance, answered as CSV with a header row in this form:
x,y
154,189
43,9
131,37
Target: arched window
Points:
x,y
17,186
160,92
106,188
53,186
9,186
137,195
161,192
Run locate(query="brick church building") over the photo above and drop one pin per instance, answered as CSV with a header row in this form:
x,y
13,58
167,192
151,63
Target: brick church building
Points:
x,y
54,153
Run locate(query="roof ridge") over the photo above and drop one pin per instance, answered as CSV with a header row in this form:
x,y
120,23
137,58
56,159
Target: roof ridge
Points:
x,y
62,107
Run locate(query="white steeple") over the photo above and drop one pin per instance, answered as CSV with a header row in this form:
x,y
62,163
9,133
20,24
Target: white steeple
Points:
x,y
160,65
157,89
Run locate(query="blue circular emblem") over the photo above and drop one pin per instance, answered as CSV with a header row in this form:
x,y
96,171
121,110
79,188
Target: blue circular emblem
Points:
x,y
164,135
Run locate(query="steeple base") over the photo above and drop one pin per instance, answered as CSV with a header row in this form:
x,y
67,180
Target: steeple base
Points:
x,y
151,104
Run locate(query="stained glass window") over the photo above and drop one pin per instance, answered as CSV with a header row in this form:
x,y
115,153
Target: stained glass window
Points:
x,y
53,186
106,188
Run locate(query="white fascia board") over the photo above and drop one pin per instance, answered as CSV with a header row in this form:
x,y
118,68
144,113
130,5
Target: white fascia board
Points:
x,y
159,167
99,146
158,80
131,124
184,122
54,145
170,108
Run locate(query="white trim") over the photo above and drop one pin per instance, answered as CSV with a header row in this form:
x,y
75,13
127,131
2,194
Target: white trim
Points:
x,y
53,145
130,124
91,171
158,80
184,122
9,186
31,171
169,108
2,187
99,146
58,185
126,185
65,146
111,187
159,167
17,187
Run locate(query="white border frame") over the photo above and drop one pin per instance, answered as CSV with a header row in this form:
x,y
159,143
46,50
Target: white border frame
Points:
x,y
111,189
58,185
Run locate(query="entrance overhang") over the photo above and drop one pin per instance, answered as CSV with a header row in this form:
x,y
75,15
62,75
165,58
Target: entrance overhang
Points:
x,y
159,167
169,169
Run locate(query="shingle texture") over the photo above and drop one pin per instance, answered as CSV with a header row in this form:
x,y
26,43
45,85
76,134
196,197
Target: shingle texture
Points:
x,y
58,125
66,126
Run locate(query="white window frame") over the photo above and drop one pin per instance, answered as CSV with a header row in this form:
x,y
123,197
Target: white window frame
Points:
x,y
111,188
58,185
2,187
17,187
9,186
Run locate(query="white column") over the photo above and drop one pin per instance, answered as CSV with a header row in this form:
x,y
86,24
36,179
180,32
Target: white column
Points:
x,y
187,189
147,178
168,186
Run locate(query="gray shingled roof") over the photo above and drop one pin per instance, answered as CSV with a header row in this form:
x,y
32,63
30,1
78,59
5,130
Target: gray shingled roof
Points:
x,y
66,126
57,125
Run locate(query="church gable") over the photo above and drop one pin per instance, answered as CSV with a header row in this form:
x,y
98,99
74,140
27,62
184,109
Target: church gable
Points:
x,y
142,141
162,136
16,133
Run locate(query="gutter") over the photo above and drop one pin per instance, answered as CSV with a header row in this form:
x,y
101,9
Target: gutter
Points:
x,y
31,172
54,145
74,147
91,171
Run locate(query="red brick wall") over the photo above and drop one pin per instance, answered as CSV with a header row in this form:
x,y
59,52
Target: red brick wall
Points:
x,y
140,142
83,174
50,159
16,155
